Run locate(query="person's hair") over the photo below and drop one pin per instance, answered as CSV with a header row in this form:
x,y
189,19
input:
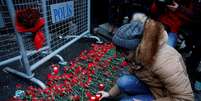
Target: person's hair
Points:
x,y
149,45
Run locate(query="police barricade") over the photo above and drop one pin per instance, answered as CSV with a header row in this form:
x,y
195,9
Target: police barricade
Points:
x,y
61,23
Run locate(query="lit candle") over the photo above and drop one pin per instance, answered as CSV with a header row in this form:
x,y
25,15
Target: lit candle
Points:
x,y
98,96
55,70
92,98
101,87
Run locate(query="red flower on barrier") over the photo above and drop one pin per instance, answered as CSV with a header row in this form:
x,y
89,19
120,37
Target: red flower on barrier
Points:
x,y
39,39
28,20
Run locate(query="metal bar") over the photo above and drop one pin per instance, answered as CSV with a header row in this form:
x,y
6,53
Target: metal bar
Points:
x,y
94,37
85,36
17,73
10,60
27,3
48,38
31,78
19,57
60,57
71,36
62,61
25,61
36,51
89,15
34,66
38,82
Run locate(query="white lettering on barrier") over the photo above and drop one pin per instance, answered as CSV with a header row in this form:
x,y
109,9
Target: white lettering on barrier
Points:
x,y
62,11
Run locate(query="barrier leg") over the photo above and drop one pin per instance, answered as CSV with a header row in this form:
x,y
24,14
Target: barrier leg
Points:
x,y
98,40
93,37
61,59
23,75
61,62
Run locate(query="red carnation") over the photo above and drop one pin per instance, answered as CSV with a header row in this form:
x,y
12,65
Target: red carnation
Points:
x,y
124,63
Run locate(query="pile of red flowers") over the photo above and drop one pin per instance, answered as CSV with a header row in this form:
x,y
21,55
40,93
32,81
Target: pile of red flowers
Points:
x,y
92,71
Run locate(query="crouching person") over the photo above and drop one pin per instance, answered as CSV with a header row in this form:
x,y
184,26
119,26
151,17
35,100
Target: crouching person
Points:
x,y
157,71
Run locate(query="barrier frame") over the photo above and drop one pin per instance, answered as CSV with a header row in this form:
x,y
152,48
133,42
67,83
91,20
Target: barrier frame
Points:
x,y
23,57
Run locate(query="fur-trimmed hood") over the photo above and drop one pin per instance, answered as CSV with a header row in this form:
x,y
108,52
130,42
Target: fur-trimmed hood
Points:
x,y
164,38
154,37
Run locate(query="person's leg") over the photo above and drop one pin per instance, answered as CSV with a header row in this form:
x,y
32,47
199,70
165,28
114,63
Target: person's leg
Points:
x,y
130,84
138,97
172,39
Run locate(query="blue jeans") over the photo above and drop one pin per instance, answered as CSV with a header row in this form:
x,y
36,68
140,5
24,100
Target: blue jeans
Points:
x,y
133,87
172,39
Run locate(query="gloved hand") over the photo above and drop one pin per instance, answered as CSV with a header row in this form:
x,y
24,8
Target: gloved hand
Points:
x,y
104,94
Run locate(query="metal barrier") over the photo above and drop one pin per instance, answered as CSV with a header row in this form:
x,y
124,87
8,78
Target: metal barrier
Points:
x,y
66,21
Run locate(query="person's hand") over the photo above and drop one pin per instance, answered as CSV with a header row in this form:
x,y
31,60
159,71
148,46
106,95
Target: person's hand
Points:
x,y
136,99
104,94
173,7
